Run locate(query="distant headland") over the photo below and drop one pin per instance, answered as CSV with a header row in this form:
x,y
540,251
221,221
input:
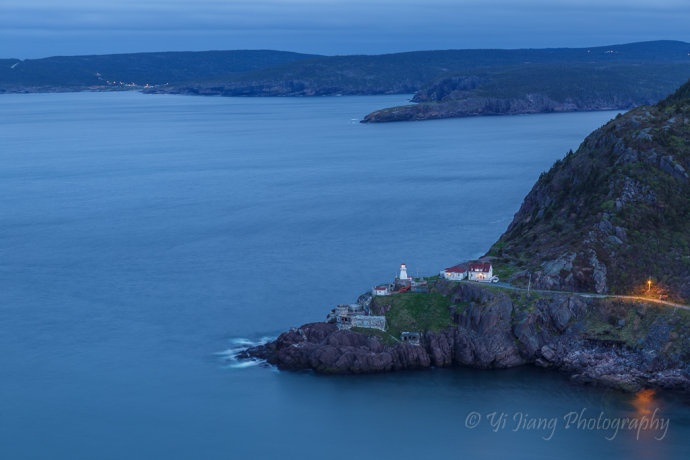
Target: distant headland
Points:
x,y
447,83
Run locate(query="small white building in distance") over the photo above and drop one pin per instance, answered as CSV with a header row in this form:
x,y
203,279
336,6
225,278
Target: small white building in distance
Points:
x,y
380,290
403,273
480,271
455,273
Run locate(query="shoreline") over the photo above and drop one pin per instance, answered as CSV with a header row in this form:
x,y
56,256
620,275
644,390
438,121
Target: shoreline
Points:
x,y
489,330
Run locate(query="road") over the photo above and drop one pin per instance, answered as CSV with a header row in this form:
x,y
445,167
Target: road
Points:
x,y
593,296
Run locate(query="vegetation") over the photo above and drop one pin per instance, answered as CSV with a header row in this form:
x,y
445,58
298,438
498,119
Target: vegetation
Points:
x,y
83,72
625,74
414,312
634,327
540,88
620,205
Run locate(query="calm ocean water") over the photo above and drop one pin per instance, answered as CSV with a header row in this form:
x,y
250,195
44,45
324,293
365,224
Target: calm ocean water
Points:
x,y
142,237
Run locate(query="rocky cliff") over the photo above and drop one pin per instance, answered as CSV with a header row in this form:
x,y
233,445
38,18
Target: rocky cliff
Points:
x,y
604,342
613,215
474,105
531,88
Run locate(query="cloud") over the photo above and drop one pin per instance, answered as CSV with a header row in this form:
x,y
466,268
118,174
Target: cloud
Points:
x,y
45,27
243,14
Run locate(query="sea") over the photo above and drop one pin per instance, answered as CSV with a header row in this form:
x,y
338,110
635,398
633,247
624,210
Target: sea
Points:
x,y
145,239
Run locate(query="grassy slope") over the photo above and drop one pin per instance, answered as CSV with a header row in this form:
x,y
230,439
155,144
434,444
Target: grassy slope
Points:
x,y
414,312
390,73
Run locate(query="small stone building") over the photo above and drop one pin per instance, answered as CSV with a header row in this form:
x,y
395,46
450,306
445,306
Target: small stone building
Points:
x,y
413,338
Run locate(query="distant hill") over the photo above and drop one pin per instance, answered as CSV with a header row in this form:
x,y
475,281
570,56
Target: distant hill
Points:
x,y
402,73
558,80
540,88
75,73
447,83
613,215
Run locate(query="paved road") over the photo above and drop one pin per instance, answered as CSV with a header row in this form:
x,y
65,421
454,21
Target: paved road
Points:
x,y
593,296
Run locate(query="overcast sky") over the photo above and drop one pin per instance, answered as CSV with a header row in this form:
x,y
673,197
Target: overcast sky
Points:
x,y
39,28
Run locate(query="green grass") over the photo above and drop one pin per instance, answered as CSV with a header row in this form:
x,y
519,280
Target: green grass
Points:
x,y
602,324
416,312
504,271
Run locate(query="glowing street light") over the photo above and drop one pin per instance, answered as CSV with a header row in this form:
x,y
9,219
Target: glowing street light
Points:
x,y
649,285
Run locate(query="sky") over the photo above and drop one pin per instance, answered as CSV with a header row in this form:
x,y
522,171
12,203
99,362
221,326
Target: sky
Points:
x,y
42,28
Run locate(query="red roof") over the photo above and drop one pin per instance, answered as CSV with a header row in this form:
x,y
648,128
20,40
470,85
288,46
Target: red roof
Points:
x,y
480,267
456,269
381,288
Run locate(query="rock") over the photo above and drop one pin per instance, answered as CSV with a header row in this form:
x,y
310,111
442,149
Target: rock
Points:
x,y
527,335
491,332
406,356
440,347
598,274
560,314
548,353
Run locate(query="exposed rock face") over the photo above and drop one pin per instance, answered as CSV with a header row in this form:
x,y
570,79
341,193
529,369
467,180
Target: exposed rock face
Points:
x,y
613,214
521,90
472,106
325,349
493,331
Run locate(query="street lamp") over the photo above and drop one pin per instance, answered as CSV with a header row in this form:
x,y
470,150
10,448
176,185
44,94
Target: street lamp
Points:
x,y
649,285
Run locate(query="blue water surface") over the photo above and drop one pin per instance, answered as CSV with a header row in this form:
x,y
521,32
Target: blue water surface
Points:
x,y
142,238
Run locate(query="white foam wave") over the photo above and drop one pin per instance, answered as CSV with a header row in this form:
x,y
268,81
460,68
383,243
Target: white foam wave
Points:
x,y
244,363
239,345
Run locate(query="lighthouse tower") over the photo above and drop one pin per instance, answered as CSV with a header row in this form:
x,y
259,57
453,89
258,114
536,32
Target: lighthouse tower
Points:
x,y
403,273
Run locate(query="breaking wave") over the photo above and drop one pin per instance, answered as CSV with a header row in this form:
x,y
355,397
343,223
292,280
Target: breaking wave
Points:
x,y
231,357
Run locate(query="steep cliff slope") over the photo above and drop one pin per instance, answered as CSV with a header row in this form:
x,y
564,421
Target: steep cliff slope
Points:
x,y
614,214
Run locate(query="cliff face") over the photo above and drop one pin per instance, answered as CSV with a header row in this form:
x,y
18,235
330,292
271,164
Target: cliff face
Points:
x,y
613,214
589,339
533,88
473,106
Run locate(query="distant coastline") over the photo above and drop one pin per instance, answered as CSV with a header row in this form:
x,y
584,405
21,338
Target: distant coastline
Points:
x,y
446,84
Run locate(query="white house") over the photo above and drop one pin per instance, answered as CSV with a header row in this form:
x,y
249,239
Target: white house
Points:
x,y
380,290
480,271
455,273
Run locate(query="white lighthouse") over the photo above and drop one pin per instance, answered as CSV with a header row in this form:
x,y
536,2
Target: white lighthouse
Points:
x,y
403,273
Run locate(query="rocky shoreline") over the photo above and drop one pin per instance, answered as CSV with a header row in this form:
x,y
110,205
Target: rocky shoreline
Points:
x,y
584,338
490,106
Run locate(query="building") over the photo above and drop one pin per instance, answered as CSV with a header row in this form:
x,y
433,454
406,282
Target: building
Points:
x,y
353,315
455,273
480,271
413,338
403,273
380,290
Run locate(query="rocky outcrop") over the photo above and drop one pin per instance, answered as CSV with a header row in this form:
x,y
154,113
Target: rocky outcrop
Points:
x,y
578,336
613,214
472,106
324,348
